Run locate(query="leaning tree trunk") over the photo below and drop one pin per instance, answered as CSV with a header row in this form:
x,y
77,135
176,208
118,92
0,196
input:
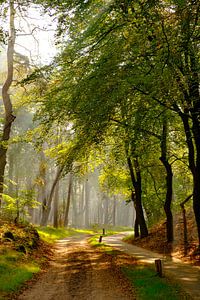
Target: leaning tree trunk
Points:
x,y
169,177
9,118
46,211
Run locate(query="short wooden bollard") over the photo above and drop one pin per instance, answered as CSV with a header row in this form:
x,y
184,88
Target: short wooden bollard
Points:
x,y
159,269
100,238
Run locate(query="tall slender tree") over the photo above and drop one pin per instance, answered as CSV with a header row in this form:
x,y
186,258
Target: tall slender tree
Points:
x,y
9,117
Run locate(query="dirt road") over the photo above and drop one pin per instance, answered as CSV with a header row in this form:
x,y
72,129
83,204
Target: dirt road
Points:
x,y
78,271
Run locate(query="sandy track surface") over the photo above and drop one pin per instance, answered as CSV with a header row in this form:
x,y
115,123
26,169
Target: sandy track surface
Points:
x,y
78,271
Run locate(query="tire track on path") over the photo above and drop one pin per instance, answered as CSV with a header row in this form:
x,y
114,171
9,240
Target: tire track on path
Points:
x,y
78,271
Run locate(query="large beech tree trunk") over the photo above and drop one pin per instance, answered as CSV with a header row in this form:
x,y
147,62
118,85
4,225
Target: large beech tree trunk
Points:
x,y
196,175
169,180
136,225
188,82
9,118
193,141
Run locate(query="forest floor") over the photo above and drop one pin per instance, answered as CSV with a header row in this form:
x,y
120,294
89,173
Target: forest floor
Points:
x,y
156,240
79,271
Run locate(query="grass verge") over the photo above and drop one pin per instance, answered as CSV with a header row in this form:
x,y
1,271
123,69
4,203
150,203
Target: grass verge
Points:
x,y
50,234
128,238
149,286
94,241
15,269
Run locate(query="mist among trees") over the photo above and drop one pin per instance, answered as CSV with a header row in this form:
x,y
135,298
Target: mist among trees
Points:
x,y
108,131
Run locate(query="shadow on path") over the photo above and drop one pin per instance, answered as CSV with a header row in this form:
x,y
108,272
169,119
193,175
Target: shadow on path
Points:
x,y
186,275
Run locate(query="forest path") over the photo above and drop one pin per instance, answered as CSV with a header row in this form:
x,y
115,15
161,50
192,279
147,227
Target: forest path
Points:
x,y
78,271
186,275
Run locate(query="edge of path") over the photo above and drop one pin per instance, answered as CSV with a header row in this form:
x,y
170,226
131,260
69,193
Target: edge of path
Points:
x,y
187,276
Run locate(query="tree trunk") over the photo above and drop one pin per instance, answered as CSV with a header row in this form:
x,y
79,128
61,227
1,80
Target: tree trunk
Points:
x,y
66,215
136,228
136,181
114,211
196,173
191,106
47,209
196,200
168,201
9,118
55,208
136,224
169,176
74,204
193,138
42,183
87,199
105,207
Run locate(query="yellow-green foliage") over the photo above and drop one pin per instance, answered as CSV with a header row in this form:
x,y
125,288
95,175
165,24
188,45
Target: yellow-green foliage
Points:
x,y
51,234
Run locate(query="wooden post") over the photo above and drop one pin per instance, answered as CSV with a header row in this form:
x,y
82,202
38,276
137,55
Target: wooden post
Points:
x,y
158,265
100,238
104,232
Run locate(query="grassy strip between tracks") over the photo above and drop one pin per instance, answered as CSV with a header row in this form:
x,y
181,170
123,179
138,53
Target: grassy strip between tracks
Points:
x,y
51,235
